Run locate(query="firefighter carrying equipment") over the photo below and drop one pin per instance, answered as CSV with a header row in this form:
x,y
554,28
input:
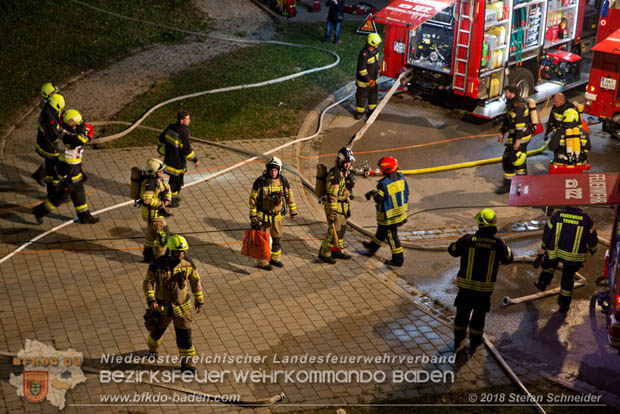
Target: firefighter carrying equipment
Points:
x,y
48,89
269,200
570,143
556,116
388,165
339,186
486,218
517,121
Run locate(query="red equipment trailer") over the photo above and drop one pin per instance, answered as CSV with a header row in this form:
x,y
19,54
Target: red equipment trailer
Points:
x,y
602,98
473,48
576,190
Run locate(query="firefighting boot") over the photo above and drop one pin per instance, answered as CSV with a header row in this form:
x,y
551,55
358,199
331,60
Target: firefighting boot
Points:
x,y
87,218
341,254
264,264
564,300
459,336
148,254
397,260
475,340
504,188
358,115
276,263
371,246
188,366
39,212
175,202
39,175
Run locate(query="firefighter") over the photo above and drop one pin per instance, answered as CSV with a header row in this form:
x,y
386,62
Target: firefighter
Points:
x,y
391,198
47,90
481,253
155,196
366,77
570,143
166,286
339,185
518,125
567,238
560,104
70,154
271,195
176,148
48,134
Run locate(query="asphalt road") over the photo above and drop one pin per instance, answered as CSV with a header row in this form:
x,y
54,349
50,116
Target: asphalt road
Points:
x,y
534,332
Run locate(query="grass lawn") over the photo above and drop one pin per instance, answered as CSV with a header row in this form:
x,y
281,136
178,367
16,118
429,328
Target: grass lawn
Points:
x,y
269,111
45,40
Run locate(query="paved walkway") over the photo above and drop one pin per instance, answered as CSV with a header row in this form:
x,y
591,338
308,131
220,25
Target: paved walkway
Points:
x,y
81,288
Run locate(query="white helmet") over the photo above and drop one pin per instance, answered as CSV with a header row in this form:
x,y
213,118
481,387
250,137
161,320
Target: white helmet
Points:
x,y
153,166
274,162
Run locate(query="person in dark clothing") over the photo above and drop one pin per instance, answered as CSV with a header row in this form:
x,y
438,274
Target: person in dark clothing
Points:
x,y
49,133
518,125
47,90
567,238
480,253
175,146
335,16
366,77
560,105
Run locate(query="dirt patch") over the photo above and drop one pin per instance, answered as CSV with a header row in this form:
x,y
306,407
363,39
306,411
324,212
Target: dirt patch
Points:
x,y
102,94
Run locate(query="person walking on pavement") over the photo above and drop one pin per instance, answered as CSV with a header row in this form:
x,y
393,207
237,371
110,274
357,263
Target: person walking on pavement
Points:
x,y
167,286
70,154
567,238
155,196
518,125
339,185
271,195
176,148
480,253
391,198
366,77
47,90
335,17
49,133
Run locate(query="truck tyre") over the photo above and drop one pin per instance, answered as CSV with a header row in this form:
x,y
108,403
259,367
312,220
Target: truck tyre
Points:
x,y
523,79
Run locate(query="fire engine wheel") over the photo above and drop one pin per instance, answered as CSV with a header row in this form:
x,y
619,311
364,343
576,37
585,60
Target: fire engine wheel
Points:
x,y
523,79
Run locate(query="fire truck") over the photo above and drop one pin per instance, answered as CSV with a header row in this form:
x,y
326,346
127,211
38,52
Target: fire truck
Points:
x,y
602,98
581,190
473,48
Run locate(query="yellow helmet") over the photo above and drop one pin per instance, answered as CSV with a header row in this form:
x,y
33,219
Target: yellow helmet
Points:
x,y
72,115
176,242
153,166
57,101
570,115
521,157
486,218
48,89
373,39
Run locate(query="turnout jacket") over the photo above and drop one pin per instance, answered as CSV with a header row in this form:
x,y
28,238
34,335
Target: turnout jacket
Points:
x,y
481,253
337,193
177,148
269,199
564,139
169,281
49,132
367,66
517,121
556,116
569,235
392,200
70,150
152,190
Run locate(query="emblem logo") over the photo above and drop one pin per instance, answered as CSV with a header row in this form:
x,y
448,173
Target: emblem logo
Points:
x,y
36,385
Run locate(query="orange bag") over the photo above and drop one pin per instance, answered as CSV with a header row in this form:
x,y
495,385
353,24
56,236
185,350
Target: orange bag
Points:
x,y
256,244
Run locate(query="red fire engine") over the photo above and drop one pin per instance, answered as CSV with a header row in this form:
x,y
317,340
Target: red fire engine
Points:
x,y
575,190
473,48
602,96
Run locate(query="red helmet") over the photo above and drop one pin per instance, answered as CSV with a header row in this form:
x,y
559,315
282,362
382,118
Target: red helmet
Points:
x,y
388,165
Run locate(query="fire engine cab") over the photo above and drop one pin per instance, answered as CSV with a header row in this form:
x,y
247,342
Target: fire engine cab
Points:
x,y
602,98
473,48
581,190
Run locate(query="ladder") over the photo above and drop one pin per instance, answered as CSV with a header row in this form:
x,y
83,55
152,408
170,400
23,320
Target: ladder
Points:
x,y
464,27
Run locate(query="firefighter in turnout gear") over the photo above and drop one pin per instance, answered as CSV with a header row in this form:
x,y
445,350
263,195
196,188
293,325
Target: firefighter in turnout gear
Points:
x,y
47,90
167,286
366,76
176,148
270,197
560,104
155,196
518,125
70,153
570,143
339,185
391,198
567,238
49,133
480,253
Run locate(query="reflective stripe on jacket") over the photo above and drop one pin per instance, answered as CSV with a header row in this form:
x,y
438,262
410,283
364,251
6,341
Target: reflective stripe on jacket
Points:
x,y
393,204
569,235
